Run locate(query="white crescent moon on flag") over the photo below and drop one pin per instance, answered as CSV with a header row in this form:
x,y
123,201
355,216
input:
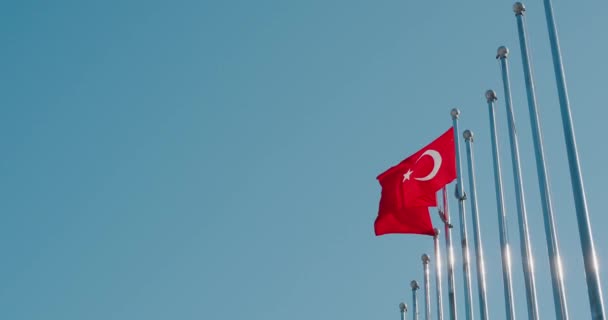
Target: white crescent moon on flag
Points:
x,y
437,164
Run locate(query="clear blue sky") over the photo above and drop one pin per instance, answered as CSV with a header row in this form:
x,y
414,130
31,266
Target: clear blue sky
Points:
x,y
217,159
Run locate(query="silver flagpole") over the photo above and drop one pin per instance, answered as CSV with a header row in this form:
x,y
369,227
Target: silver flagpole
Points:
x,y
438,275
500,206
557,278
594,287
481,270
445,217
403,309
427,287
527,259
460,194
415,287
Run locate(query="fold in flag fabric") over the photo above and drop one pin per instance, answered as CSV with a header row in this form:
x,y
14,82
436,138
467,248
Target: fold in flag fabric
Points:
x,y
415,220
410,187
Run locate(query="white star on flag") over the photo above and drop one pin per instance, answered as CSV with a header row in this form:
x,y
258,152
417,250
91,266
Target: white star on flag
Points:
x,y
406,176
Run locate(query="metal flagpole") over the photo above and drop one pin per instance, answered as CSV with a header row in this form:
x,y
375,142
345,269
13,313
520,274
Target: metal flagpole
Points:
x,y
584,225
481,270
460,194
445,217
559,296
500,204
438,275
415,287
427,287
527,259
403,309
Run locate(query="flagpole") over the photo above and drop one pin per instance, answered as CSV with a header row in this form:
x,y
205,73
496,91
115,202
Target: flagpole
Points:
x,y
403,309
557,278
481,270
584,225
415,287
427,286
502,218
445,217
527,259
438,275
460,194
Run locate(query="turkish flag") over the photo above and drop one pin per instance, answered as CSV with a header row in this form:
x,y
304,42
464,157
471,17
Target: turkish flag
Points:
x,y
416,179
410,187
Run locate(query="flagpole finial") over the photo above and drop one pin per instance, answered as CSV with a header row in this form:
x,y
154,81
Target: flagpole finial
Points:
x,y
425,259
519,8
491,95
455,113
502,52
403,307
414,285
468,135
436,232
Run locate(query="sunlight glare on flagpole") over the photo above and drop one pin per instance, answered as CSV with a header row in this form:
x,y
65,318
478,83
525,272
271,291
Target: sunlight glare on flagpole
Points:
x,y
438,283
527,258
491,99
479,256
594,287
559,291
461,196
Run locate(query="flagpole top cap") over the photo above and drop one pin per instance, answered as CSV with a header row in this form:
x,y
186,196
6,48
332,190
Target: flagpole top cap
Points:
x,y
414,285
491,95
455,113
403,307
468,135
502,52
519,8
425,259
436,232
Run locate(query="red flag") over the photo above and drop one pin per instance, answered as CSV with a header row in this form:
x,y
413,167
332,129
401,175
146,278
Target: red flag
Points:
x,y
404,220
417,178
409,188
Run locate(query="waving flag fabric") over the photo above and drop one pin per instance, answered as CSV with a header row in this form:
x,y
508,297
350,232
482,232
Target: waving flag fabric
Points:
x,y
410,187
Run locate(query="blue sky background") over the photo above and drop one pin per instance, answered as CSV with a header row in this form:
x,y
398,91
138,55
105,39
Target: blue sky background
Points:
x,y
217,159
